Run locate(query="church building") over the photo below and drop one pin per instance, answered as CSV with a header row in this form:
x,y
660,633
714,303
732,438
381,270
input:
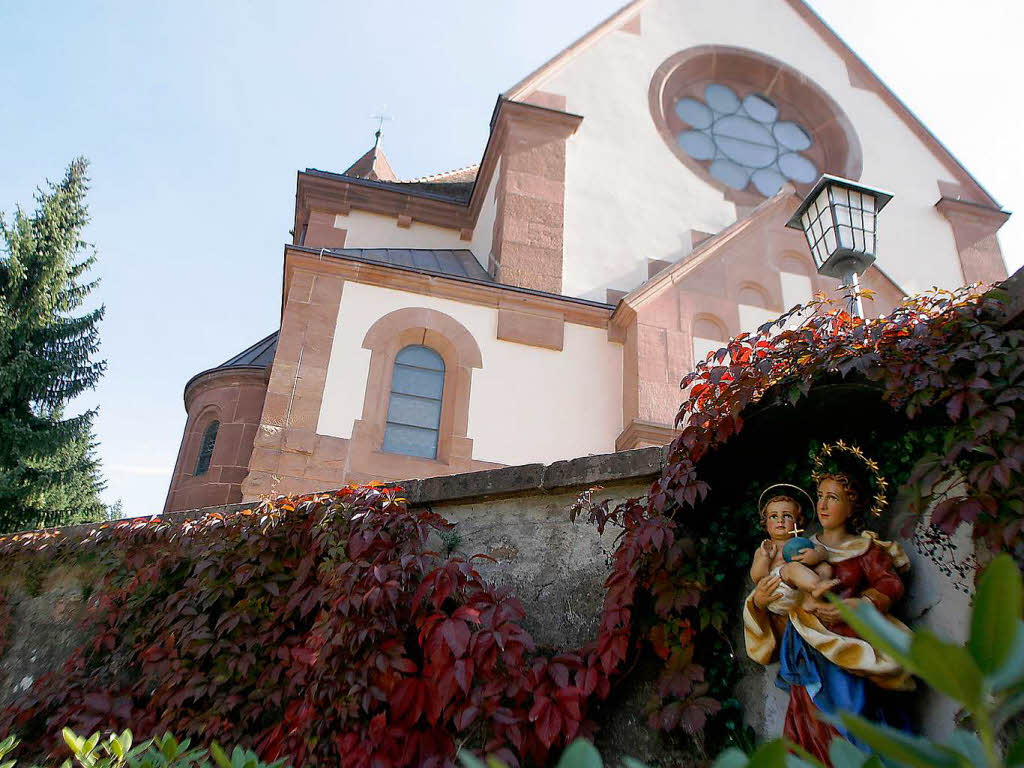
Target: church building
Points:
x,y
626,217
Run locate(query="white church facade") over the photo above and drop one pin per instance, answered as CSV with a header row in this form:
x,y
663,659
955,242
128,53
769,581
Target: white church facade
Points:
x,y
626,217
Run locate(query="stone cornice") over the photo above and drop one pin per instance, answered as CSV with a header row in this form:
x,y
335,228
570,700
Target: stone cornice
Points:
x,y
983,214
219,377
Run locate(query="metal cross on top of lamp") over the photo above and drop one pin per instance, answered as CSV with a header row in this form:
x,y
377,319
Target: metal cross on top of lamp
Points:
x,y
839,218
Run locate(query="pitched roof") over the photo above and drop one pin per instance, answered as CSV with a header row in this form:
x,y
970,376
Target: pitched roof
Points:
x,y
373,165
458,262
259,354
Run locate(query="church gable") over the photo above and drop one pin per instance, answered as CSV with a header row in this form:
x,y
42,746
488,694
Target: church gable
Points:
x,y
695,112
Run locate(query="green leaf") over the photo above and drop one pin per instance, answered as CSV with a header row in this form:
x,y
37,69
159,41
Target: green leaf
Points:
x,y
997,606
8,744
969,745
775,754
115,748
1011,672
947,668
878,631
222,759
844,755
629,762
73,741
899,746
580,754
169,746
732,758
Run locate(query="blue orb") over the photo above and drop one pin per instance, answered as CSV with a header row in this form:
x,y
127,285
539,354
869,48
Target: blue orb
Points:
x,y
794,547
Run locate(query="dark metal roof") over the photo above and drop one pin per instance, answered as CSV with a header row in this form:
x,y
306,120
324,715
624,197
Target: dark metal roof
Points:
x,y
259,354
458,262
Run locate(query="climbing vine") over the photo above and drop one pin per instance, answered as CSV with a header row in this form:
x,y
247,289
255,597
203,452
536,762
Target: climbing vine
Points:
x,y
320,627
324,628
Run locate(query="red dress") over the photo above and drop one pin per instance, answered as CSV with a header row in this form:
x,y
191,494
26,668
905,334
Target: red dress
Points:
x,y
871,575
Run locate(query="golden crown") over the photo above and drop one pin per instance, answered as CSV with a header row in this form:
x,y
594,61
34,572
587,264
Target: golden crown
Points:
x,y
881,485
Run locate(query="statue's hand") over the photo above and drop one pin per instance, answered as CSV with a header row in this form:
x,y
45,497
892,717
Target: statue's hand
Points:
x,y
769,548
764,592
829,615
809,556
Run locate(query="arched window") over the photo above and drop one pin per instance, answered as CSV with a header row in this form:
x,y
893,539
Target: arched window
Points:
x,y
206,449
414,408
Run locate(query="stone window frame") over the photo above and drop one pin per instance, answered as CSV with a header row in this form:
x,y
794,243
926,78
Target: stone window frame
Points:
x,y
460,353
203,420
215,426
836,148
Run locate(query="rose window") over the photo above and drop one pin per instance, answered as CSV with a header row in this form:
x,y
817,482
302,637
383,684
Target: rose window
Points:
x,y
743,141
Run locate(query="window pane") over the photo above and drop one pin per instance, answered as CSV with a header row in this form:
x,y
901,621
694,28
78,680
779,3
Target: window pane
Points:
x,y
745,141
416,381
414,411
792,136
760,108
692,112
206,449
697,144
768,181
797,167
421,357
729,173
721,98
412,441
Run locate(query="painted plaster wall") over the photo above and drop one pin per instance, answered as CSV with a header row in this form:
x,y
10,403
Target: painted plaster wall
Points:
x,y
371,230
629,199
524,401
483,234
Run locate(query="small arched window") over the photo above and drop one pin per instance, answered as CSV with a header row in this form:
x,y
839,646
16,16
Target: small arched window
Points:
x,y
414,408
206,449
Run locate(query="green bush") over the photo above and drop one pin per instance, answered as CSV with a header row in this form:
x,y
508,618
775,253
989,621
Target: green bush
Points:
x,y
117,751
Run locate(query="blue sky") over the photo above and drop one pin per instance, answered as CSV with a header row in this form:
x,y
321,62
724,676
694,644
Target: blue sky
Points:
x,y
196,116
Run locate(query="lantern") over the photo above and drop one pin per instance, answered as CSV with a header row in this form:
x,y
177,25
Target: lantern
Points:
x,y
839,218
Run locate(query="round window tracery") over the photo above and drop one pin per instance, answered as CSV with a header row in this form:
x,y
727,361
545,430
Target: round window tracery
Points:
x,y
747,123
744,141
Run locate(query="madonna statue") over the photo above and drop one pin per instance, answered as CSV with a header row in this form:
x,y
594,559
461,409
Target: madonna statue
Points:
x,y
824,666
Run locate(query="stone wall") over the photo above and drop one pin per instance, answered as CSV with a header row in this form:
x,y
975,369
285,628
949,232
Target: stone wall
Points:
x,y
518,517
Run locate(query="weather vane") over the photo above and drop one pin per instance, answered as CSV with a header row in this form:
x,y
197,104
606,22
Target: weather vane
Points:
x,y
380,117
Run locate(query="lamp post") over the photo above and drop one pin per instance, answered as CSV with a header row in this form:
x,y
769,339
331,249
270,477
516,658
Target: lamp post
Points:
x,y
839,218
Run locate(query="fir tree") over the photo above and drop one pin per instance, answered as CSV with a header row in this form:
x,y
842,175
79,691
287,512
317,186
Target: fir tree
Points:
x,y
49,472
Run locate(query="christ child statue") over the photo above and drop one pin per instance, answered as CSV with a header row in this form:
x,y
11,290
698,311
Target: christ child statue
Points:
x,y
799,564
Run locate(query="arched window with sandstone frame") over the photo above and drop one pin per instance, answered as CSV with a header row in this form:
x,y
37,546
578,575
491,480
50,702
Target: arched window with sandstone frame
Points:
x,y
206,446
403,345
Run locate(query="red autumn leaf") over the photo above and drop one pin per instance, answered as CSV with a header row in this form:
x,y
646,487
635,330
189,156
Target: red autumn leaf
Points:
x,y
456,635
304,656
465,717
